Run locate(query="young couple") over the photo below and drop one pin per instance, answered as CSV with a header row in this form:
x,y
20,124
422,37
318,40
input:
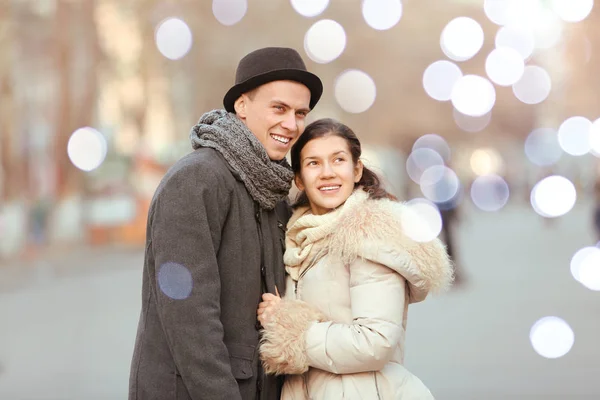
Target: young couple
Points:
x,y
240,299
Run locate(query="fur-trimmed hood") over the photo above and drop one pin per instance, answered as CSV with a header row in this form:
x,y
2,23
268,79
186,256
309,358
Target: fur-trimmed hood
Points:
x,y
373,229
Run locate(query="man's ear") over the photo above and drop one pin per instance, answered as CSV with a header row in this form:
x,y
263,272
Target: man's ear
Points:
x,y
298,182
240,106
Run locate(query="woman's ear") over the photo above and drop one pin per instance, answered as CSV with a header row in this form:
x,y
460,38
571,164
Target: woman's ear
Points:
x,y
240,107
298,182
358,171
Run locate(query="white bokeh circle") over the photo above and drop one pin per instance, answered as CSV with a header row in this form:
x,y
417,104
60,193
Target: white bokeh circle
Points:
x,y
461,38
473,95
504,66
325,41
229,12
553,196
87,148
309,8
551,337
534,86
355,91
173,38
439,78
382,14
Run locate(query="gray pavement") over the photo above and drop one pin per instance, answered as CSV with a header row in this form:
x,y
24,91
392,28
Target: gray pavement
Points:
x,y
68,324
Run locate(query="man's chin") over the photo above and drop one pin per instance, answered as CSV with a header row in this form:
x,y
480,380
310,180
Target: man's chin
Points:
x,y
276,157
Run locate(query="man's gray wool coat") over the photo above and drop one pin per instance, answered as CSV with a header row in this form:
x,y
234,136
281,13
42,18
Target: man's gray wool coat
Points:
x,y
210,253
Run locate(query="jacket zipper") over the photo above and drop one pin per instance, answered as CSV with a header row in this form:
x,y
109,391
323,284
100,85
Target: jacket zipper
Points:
x,y
316,258
306,392
376,385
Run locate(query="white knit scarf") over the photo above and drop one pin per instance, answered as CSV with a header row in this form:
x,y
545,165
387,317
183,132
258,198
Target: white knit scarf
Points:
x,y
308,234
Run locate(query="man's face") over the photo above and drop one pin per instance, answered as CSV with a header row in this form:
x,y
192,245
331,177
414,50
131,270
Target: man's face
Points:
x,y
276,114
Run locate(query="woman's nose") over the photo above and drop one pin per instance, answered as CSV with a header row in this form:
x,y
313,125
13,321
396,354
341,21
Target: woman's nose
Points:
x,y
327,171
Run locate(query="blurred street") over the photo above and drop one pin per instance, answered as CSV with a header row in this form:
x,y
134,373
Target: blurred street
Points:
x,y
465,103
68,326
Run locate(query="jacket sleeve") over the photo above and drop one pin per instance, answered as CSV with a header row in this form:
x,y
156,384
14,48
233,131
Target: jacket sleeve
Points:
x,y
377,296
296,339
188,216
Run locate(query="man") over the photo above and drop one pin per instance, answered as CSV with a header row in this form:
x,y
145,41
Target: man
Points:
x,y
215,238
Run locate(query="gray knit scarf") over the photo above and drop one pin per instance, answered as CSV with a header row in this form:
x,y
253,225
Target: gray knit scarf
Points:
x,y
267,181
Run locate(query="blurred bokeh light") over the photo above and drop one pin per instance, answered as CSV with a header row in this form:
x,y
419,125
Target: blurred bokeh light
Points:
x,y
173,38
504,66
434,142
469,123
551,337
229,12
489,192
534,86
87,148
421,220
382,14
325,41
473,95
420,160
574,136
553,196
439,79
309,8
585,267
439,183
519,39
461,39
355,91
542,147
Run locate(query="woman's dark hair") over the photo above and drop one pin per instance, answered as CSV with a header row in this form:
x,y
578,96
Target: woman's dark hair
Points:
x,y
369,181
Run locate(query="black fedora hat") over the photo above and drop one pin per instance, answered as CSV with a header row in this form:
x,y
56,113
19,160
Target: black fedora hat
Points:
x,y
272,64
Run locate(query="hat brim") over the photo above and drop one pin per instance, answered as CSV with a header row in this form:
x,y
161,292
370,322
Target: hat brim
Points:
x,y
311,81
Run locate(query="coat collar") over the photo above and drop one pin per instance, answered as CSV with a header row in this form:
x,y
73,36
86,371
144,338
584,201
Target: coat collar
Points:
x,y
373,229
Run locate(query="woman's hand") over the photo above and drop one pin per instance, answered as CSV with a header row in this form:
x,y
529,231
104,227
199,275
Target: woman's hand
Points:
x,y
268,306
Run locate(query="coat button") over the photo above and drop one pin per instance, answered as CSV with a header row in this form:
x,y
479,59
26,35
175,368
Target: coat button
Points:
x,y
263,270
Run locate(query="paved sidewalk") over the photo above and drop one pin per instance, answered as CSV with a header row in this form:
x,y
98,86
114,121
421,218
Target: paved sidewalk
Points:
x,y
68,325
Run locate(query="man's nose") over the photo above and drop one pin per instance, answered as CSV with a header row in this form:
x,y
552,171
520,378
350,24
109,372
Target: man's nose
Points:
x,y
289,122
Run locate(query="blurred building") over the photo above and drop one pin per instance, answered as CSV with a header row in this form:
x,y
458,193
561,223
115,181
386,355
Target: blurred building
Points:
x,y
103,64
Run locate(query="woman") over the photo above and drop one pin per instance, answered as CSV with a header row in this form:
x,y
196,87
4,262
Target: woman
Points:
x,y
352,272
